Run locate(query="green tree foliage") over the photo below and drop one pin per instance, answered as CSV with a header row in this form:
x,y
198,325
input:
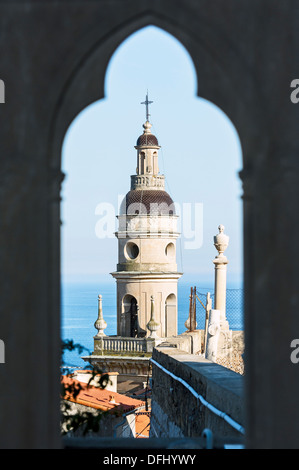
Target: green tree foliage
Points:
x,y
85,422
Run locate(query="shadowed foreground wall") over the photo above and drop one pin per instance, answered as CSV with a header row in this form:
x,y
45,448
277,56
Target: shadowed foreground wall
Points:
x,y
176,412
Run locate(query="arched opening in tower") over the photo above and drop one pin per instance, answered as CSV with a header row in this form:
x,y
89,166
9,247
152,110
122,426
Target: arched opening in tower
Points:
x,y
170,314
129,322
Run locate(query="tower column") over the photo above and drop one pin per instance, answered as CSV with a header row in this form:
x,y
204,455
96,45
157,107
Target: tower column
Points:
x,y
146,274
147,233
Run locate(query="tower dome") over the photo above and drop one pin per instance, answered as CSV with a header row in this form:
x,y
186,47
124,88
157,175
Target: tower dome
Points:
x,y
147,139
147,202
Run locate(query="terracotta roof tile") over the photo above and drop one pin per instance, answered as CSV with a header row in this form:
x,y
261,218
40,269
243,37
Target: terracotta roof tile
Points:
x,y
149,201
142,424
147,139
95,397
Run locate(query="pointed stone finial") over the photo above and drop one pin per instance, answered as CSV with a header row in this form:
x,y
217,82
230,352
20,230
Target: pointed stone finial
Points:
x,y
100,324
152,325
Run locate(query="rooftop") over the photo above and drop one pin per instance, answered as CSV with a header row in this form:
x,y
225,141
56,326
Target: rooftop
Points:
x,y
98,398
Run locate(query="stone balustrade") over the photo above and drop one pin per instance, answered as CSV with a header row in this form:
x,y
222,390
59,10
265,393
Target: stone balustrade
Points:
x,y
147,181
118,345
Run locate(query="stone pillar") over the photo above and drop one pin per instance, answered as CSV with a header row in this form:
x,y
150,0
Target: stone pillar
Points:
x,y
224,343
220,262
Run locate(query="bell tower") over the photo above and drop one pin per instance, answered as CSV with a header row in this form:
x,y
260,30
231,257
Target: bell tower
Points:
x,y
146,273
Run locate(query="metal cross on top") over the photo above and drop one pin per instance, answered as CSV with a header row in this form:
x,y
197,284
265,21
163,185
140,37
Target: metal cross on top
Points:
x,y
147,102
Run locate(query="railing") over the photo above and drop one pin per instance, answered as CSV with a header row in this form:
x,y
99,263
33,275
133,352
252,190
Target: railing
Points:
x,y
119,345
201,302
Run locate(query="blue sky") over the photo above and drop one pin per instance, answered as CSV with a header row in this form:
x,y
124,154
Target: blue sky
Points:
x,y
200,158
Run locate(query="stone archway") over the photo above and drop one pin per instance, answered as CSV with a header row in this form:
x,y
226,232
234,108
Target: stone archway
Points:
x,y
76,97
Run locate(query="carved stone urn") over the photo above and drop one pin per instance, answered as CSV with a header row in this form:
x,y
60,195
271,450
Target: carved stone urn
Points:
x,y
221,241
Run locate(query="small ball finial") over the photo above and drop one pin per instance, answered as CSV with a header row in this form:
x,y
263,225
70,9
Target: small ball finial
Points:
x,y
147,127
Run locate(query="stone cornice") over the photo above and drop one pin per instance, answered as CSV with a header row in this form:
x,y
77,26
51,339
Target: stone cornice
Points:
x,y
146,275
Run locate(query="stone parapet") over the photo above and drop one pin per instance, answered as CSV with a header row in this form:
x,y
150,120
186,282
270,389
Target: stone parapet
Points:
x,y
131,356
119,344
189,341
176,412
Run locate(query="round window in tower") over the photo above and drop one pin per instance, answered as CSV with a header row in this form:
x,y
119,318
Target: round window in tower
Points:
x,y
131,250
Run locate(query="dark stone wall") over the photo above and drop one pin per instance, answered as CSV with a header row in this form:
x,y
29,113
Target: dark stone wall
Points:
x,y
53,62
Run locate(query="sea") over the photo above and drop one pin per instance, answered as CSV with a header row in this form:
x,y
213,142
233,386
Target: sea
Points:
x,y
79,310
